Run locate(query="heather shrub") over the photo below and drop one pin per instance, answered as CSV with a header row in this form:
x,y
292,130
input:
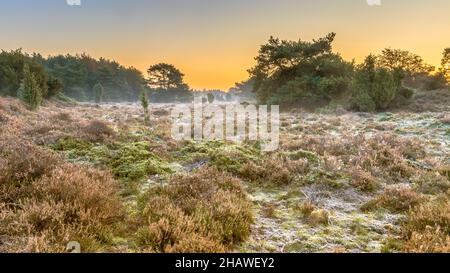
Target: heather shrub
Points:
x,y
273,171
62,117
97,131
209,206
428,241
363,180
305,209
435,214
3,117
428,227
319,217
71,203
387,155
431,183
395,199
196,244
23,162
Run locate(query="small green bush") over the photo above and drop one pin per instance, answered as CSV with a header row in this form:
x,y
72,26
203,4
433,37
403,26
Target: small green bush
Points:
x,y
30,92
373,88
98,92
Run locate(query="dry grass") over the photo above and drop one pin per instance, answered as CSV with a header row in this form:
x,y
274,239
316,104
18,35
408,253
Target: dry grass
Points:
x,y
269,209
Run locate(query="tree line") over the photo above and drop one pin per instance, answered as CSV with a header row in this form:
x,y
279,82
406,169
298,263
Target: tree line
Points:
x,y
309,74
34,78
289,73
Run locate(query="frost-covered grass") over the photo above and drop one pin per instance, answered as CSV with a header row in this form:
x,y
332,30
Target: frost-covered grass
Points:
x,y
340,182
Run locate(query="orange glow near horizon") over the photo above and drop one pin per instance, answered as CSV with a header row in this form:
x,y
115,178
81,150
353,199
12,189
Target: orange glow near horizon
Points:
x,y
214,42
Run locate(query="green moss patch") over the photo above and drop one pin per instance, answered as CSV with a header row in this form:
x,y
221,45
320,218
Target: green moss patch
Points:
x,y
224,156
129,161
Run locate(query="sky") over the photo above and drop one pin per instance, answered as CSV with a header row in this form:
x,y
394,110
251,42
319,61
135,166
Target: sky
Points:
x,y
214,42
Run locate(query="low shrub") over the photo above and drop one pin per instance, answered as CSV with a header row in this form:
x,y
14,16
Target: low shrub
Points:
x,y
396,199
428,227
429,241
71,203
209,206
23,162
431,183
97,131
274,171
363,180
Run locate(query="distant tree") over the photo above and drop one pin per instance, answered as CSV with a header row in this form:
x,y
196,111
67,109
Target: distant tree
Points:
x,y
242,91
80,73
165,76
167,84
300,73
445,64
74,75
243,87
30,92
145,104
404,62
211,98
98,92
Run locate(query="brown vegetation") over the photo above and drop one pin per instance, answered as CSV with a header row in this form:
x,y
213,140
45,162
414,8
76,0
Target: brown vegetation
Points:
x,y
209,206
428,228
70,203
